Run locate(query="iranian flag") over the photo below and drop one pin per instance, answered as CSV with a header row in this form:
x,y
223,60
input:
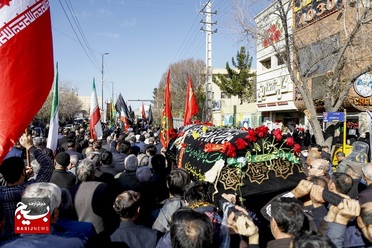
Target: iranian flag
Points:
x,y
53,126
26,65
95,116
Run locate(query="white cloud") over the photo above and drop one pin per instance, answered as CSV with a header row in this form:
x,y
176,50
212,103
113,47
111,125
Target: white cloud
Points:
x,y
105,13
108,35
85,14
129,23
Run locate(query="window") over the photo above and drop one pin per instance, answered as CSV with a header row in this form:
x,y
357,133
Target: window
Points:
x,y
225,95
318,85
280,59
266,64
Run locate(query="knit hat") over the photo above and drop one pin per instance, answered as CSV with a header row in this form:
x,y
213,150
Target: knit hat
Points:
x,y
143,159
63,159
131,163
143,174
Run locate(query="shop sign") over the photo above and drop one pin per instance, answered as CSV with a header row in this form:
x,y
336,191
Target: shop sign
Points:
x,y
333,116
272,87
309,11
363,86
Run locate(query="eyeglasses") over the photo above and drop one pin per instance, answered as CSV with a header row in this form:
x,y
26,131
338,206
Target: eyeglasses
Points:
x,y
312,166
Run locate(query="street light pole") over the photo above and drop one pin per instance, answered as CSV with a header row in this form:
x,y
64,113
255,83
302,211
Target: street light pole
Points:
x,y
103,54
112,91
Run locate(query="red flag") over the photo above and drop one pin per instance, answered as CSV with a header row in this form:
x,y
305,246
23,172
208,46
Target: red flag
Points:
x,y
167,131
26,66
191,106
95,126
143,112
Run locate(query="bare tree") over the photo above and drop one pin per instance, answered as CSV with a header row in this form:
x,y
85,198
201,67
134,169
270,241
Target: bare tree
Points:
x,y
335,51
69,104
179,73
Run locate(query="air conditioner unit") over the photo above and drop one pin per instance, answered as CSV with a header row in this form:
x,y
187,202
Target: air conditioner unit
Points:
x,y
216,105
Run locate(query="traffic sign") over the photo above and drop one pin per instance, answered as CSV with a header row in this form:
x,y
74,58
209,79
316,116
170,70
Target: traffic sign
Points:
x,y
333,116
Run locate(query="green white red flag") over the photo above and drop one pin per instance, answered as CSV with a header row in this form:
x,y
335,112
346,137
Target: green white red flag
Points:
x,y
95,116
167,131
26,65
191,105
53,125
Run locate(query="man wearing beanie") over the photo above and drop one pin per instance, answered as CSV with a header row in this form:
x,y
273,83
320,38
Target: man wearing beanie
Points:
x,y
127,180
61,176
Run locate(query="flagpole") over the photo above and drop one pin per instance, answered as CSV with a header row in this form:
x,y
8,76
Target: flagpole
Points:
x,y
103,54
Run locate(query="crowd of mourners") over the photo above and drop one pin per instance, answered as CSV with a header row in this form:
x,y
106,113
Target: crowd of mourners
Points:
x,y
121,191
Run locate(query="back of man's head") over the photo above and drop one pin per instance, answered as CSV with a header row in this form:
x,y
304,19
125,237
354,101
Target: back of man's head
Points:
x,y
197,192
123,147
364,220
85,171
312,239
367,172
288,215
12,169
177,181
126,204
343,182
158,163
106,157
151,150
190,229
42,190
312,155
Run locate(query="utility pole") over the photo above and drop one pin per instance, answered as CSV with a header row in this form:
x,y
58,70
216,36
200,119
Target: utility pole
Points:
x,y
103,54
207,11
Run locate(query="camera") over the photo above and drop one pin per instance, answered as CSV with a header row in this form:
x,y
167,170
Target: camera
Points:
x,y
228,208
331,197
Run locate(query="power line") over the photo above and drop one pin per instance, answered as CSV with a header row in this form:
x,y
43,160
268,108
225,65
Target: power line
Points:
x,y
77,36
72,11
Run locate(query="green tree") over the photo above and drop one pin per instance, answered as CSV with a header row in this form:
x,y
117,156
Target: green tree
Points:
x,y
239,81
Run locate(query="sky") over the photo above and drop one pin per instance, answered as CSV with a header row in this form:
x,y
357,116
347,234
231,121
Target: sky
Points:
x,y
141,39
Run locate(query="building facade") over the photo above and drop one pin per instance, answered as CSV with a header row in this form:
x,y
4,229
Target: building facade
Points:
x,y
275,90
227,110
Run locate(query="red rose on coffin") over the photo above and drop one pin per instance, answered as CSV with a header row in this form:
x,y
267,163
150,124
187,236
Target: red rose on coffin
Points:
x,y
277,134
241,143
229,150
251,137
297,148
289,141
262,131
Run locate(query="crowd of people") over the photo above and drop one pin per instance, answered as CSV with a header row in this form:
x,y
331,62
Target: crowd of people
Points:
x,y
121,191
